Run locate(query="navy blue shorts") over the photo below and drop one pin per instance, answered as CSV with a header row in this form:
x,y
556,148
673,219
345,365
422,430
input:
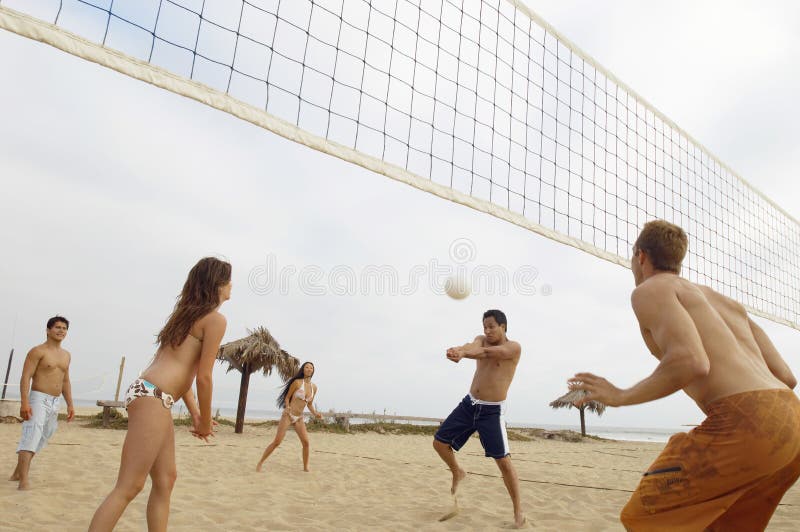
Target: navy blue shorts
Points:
x,y
468,417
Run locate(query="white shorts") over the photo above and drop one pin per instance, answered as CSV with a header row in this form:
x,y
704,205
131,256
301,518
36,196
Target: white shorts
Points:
x,y
42,424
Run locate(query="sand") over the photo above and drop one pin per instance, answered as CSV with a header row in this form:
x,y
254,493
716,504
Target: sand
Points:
x,y
366,481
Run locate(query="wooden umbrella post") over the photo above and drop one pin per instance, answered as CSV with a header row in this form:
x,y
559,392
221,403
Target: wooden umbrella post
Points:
x,y
119,378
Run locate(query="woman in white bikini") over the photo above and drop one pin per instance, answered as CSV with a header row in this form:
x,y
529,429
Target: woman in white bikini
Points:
x,y
297,393
188,346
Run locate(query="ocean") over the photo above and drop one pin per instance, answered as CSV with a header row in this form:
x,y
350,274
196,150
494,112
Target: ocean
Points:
x,y
640,434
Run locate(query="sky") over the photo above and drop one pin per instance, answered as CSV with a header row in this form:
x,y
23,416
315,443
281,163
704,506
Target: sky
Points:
x,y
112,189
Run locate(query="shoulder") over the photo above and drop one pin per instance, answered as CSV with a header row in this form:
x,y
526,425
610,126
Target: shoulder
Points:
x,y
652,291
480,339
213,319
716,299
647,298
37,352
514,346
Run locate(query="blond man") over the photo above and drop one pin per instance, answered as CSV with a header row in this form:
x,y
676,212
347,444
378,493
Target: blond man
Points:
x,y
730,472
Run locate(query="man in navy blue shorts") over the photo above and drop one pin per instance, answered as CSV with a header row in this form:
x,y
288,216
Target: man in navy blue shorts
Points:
x,y
483,409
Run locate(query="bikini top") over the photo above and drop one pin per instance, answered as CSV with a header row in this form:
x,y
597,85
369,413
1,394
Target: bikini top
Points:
x,y
301,392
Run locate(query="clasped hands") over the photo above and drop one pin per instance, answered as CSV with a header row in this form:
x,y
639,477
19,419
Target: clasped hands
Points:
x,y
202,434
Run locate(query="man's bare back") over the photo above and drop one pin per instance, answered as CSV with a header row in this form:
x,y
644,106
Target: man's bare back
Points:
x,y
719,327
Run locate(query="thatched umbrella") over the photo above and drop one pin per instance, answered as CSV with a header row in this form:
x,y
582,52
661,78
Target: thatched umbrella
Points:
x,y
258,351
569,399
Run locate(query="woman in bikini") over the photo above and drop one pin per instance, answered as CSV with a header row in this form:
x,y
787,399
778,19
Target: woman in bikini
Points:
x,y
188,346
297,393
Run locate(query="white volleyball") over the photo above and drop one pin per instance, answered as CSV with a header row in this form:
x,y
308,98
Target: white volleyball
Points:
x,y
457,287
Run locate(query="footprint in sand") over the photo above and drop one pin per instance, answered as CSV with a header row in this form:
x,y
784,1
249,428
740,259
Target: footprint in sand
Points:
x,y
452,513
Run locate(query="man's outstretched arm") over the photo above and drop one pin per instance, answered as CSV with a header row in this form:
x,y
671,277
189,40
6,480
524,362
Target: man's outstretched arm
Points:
x,y
455,354
507,351
673,338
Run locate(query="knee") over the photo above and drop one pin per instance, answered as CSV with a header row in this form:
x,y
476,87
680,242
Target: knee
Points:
x,y
305,443
130,490
504,464
165,481
440,445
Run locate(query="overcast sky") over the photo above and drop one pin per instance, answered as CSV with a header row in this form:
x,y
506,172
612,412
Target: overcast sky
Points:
x,y
112,189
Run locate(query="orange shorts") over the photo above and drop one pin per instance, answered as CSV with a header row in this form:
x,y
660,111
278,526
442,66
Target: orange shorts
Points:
x,y
729,473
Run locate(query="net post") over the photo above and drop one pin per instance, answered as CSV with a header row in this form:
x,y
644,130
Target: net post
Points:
x,y
8,371
119,378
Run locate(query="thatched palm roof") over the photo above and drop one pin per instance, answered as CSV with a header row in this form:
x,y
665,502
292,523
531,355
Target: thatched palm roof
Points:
x,y
258,351
569,399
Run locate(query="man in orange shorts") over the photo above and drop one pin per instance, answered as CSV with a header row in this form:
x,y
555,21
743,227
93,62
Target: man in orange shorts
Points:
x,y
730,472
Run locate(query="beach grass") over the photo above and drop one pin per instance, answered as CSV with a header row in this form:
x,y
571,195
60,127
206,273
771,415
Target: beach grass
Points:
x,y
119,421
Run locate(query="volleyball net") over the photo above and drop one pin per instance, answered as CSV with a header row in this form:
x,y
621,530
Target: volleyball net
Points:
x,y
479,102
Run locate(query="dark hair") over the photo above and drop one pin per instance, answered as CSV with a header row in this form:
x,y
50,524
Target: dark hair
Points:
x,y
55,319
498,316
664,243
200,295
285,390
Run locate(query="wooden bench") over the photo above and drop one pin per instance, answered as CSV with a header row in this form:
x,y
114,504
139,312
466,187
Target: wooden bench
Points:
x,y
107,406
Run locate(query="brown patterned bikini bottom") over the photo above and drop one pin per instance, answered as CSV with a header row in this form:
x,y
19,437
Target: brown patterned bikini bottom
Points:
x,y
143,388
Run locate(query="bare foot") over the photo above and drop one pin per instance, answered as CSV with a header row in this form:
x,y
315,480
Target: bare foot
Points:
x,y
520,521
458,476
14,477
24,485
258,467
306,469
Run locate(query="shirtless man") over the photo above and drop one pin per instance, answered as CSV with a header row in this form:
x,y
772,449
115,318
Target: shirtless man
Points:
x,y
482,409
48,365
730,472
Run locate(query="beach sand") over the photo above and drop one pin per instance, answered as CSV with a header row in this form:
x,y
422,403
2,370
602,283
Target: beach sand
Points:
x,y
365,481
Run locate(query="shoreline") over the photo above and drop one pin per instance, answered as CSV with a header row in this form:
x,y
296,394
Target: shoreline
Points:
x,y
85,408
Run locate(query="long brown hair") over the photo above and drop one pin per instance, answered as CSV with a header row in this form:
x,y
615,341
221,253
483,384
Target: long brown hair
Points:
x,y
200,295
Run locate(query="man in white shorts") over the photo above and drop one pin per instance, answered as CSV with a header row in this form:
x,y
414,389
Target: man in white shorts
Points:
x,y
47,365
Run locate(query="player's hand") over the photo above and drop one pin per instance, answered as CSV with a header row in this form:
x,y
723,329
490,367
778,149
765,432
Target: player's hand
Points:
x,y
70,413
202,431
318,415
455,354
597,388
25,411
196,423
